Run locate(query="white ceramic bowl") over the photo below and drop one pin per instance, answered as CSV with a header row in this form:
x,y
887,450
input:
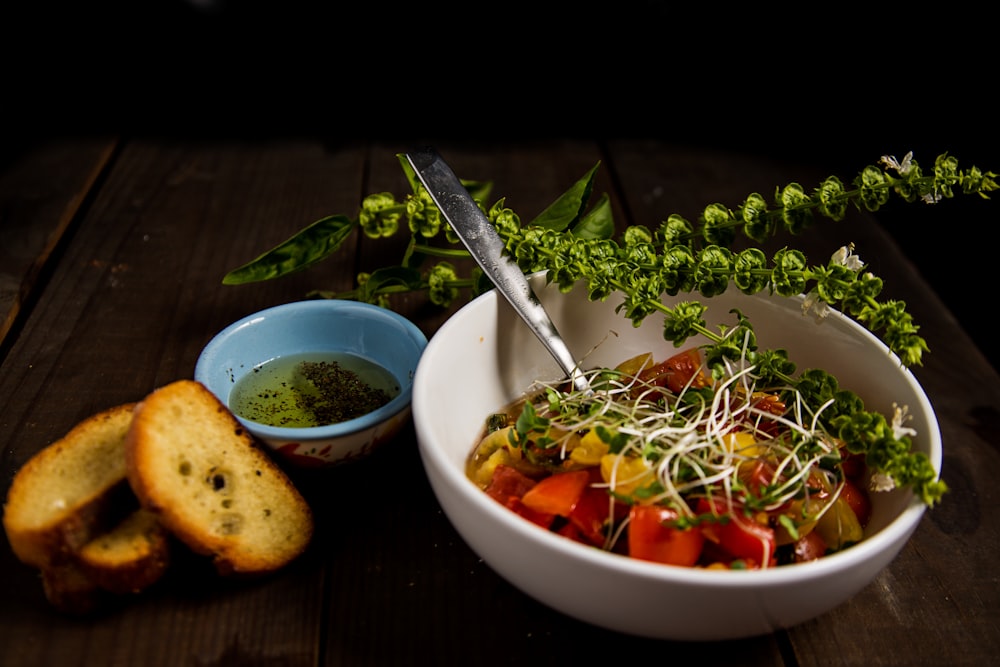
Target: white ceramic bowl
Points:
x,y
318,326
483,357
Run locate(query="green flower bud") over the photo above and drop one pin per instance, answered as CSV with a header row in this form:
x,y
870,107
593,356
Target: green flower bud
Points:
x,y
379,215
796,215
873,188
757,224
787,276
439,279
832,198
718,225
673,230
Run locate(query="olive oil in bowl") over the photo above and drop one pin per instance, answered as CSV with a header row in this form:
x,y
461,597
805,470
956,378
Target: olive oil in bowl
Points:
x,y
306,390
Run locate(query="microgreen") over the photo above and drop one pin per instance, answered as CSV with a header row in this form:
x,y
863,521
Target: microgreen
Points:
x,y
682,435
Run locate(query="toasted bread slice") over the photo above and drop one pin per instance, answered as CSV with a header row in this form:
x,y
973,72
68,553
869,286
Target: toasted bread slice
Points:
x,y
70,491
68,588
126,560
192,464
130,557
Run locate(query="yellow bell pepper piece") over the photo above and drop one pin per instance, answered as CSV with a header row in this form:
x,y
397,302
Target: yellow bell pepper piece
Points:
x,y
590,450
742,443
483,474
631,367
839,525
626,474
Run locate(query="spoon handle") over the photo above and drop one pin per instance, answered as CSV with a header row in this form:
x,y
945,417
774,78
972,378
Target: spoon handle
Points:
x,y
481,238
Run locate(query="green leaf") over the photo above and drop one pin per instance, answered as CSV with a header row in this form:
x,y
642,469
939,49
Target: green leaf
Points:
x,y
599,223
480,190
567,209
309,246
390,275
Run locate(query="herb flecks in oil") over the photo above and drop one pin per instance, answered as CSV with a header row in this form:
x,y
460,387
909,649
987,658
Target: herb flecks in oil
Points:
x,y
302,391
338,394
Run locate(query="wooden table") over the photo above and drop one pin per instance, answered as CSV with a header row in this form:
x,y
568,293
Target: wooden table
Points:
x,y
112,256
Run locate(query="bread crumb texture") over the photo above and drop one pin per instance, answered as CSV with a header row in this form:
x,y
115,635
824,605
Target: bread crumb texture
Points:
x,y
191,463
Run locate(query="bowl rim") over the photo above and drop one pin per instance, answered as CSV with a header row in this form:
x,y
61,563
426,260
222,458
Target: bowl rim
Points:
x,y
398,404
877,545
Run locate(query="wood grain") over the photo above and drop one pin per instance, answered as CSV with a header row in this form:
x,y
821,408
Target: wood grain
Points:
x,y
135,291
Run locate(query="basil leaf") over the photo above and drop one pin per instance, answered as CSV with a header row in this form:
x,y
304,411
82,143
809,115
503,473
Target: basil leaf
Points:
x,y
568,208
599,223
480,190
309,246
390,275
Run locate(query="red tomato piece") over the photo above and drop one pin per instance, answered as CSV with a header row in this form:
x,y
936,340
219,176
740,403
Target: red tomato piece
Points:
x,y
652,537
852,464
760,475
809,547
591,514
558,493
740,535
507,483
540,518
570,531
771,404
858,499
676,372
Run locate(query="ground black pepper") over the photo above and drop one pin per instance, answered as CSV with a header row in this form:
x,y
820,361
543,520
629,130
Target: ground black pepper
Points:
x,y
340,393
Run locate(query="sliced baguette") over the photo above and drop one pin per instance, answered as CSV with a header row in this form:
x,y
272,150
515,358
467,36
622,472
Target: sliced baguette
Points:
x,y
193,465
69,590
70,491
130,557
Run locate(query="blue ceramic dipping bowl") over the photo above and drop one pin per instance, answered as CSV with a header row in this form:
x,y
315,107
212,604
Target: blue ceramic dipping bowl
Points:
x,y
320,326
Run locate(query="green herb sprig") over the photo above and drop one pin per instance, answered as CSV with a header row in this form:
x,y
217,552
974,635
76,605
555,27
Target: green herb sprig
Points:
x,y
573,243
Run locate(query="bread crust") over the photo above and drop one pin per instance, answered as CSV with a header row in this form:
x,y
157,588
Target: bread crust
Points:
x,y
70,591
131,557
71,514
67,493
96,512
191,463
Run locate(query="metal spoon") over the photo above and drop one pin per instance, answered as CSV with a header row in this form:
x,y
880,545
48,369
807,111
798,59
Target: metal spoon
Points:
x,y
481,238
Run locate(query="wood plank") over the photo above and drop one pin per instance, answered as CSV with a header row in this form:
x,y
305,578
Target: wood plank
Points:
x,y
137,292
135,296
42,189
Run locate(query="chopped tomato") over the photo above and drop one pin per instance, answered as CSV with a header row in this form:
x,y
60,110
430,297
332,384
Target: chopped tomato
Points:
x,y
676,372
558,493
592,512
651,536
570,531
852,464
739,535
508,482
758,475
542,519
858,499
809,547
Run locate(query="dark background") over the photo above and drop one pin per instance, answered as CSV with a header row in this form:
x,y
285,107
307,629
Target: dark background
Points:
x,y
833,86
